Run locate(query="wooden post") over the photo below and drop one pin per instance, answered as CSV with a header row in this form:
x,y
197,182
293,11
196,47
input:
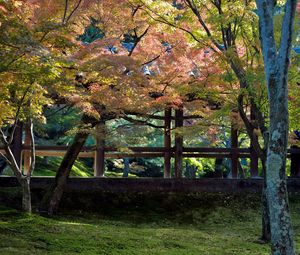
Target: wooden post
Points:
x,y
17,144
167,143
126,169
234,145
178,143
218,168
27,153
253,154
99,162
295,163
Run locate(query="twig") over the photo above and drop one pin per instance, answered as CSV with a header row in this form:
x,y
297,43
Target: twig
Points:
x,y
75,8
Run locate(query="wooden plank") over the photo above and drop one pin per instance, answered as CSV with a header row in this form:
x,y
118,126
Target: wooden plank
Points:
x,y
197,152
155,149
43,153
140,149
167,143
215,155
216,150
57,148
133,155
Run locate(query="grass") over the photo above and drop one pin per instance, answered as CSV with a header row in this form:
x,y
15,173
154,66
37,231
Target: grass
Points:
x,y
136,231
42,169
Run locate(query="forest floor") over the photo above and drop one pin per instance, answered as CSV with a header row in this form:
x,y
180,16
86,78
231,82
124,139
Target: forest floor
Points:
x,y
232,229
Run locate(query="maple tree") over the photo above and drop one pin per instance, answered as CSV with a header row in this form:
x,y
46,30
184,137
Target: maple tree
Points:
x,y
118,60
27,70
229,30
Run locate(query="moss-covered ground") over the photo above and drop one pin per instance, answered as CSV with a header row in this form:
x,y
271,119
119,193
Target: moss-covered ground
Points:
x,y
231,228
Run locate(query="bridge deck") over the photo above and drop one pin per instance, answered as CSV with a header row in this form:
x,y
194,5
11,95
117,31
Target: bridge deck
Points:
x,y
151,184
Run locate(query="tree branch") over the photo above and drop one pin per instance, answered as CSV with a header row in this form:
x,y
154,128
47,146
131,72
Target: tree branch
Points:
x,y
32,148
266,26
138,38
11,136
165,21
65,11
203,24
250,129
286,33
140,122
74,10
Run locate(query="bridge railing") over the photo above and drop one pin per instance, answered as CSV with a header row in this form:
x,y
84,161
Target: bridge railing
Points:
x,y
141,152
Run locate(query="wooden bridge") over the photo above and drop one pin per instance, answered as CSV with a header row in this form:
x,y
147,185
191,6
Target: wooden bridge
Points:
x,y
21,150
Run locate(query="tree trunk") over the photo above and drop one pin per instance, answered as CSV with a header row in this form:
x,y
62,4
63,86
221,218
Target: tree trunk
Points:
x,y
24,180
53,196
266,228
281,227
26,196
276,61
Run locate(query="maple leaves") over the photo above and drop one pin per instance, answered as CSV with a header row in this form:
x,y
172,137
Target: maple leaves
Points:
x,y
135,60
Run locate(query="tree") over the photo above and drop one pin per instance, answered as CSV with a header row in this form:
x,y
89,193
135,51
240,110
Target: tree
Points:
x,y
228,32
276,60
36,41
107,84
30,71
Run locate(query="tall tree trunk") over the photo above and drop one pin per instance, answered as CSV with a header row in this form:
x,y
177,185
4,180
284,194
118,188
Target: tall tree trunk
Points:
x,y
276,61
52,198
281,227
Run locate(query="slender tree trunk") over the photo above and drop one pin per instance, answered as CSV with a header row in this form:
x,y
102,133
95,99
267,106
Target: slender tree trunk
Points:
x,y
24,180
26,196
266,230
52,198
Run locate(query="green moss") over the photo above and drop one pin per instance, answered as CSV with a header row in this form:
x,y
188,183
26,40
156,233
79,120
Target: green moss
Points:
x,y
50,168
193,224
98,234
230,228
115,174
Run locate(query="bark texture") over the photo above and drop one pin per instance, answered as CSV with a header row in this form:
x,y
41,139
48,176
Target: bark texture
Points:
x,y
26,195
276,62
